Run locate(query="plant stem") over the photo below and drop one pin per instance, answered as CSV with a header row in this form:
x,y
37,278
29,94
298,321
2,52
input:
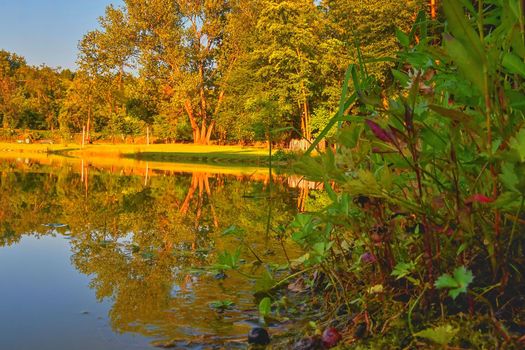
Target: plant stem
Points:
x,y
411,309
515,226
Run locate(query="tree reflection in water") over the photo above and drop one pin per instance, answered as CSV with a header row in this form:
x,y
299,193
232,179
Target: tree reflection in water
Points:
x,y
141,238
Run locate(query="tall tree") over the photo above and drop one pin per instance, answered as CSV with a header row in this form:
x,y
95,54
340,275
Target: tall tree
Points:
x,y
236,120
11,98
179,43
45,88
104,56
288,56
80,104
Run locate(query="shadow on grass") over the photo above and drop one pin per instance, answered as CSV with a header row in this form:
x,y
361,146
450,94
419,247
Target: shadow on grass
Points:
x,y
217,158
64,152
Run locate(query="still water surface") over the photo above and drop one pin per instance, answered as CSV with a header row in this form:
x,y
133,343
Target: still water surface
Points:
x,y
106,257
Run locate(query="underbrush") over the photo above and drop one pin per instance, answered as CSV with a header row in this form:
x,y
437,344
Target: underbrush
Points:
x,y
423,242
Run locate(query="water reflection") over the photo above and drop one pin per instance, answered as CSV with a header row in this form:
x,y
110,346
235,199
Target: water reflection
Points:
x,y
140,235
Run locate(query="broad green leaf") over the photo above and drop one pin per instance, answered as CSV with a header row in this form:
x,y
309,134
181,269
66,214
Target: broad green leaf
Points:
x,y
322,248
349,136
310,167
516,99
403,269
515,7
265,307
451,113
265,282
514,64
509,178
446,281
228,261
507,201
330,191
403,39
457,283
517,144
463,276
518,46
469,6
469,67
401,77
462,30
441,335
466,120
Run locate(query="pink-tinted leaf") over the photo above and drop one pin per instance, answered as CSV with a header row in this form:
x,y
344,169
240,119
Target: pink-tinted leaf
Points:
x,y
379,132
479,198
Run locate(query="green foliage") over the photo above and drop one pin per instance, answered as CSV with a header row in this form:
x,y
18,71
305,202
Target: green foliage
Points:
x,y
265,307
426,172
233,70
228,260
265,282
402,270
457,283
222,305
30,96
441,335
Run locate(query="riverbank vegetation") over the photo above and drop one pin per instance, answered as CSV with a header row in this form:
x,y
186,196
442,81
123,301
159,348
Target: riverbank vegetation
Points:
x,y
190,153
423,242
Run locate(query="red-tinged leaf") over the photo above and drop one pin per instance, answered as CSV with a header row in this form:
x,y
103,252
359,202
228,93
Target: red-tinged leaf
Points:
x,y
398,134
379,132
479,198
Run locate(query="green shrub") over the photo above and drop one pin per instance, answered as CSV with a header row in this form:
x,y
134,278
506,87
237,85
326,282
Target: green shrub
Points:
x,y
428,173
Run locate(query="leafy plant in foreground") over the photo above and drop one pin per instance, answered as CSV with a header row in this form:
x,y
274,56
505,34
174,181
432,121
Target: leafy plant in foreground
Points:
x,y
441,335
457,283
426,175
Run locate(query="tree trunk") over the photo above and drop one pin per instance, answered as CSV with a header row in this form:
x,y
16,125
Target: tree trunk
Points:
x,y
193,122
202,137
202,133
88,126
208,133
305,119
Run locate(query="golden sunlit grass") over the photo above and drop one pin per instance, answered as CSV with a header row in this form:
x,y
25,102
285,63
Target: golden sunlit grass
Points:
x,y
131,166
160,152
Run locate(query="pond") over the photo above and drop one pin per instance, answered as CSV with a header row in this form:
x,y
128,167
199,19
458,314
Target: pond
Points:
x,y
107,256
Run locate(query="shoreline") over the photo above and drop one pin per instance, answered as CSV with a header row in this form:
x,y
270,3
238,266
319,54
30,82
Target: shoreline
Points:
x,y
171,153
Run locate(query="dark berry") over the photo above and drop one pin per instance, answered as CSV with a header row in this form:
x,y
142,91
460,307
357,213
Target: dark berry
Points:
x,y
331,337
258,336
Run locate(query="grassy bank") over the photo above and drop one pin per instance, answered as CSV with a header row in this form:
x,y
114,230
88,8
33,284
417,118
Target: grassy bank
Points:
x,y
179,153
130,166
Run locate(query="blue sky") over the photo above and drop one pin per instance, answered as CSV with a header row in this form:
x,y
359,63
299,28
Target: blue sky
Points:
x,y
48,31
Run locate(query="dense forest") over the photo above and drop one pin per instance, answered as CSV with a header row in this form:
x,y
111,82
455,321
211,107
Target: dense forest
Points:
x,y
211,70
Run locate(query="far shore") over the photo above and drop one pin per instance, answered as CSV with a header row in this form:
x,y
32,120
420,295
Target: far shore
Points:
x,y
187,153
